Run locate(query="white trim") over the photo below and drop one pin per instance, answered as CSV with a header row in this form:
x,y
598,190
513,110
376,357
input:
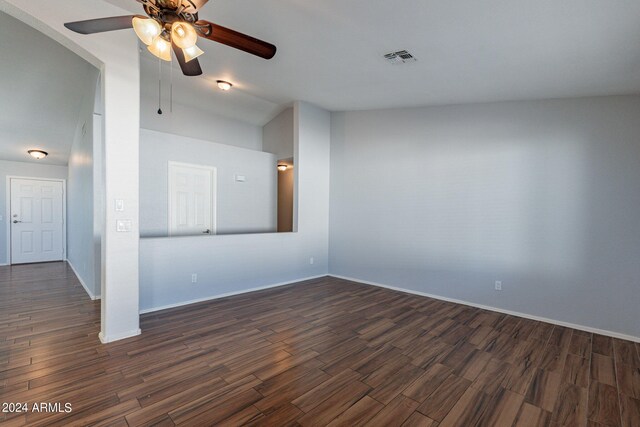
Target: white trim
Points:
x,y
229,294
111,338
84,285
64,211
214,193
498,310
4,265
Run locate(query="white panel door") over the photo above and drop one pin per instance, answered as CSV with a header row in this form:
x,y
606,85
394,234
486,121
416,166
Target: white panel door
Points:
x,y
37,221
191,199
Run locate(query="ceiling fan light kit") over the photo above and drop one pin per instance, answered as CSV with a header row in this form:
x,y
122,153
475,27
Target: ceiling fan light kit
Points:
x,y
160,48
183,35
192,53
146,29
174,25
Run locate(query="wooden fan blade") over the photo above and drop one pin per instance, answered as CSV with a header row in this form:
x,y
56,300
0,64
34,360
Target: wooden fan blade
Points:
x,y
229,37
102,25
191,68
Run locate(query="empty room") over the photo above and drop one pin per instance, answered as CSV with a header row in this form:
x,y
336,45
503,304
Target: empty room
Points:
x,y
335,213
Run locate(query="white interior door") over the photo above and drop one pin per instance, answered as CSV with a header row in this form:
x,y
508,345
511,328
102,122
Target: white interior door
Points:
x,y
37,221
191,199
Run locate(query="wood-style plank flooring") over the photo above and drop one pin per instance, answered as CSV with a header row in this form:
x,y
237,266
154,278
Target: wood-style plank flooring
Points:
x,y
321,353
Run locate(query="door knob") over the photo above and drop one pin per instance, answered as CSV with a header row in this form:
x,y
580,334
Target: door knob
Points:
x,y
207,231
15,221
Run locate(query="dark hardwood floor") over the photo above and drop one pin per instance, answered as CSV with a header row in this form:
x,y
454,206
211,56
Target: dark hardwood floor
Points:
x,y
323,352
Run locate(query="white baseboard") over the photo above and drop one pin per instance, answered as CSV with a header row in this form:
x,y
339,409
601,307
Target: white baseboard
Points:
x,y
91,294
4,265
499,310
116,337
229,294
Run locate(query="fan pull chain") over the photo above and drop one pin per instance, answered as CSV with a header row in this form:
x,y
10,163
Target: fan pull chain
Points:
x,y
159,86
171,88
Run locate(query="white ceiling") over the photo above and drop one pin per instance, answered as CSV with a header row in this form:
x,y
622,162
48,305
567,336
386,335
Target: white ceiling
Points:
x,y
41,91
330,51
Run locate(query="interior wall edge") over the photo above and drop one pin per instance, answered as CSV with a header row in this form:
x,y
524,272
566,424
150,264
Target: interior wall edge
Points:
x,y
93,296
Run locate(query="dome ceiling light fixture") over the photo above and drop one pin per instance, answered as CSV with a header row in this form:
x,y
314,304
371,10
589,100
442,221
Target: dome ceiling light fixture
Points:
x,y
38,154
173,25
223,85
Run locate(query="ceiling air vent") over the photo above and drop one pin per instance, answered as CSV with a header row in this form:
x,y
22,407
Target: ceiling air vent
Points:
x,y
399,57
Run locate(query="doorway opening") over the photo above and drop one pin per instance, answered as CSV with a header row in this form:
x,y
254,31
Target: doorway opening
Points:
x,y
286,183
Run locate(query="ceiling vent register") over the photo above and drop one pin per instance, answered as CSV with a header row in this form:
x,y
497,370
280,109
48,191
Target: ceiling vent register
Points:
x,y
399,57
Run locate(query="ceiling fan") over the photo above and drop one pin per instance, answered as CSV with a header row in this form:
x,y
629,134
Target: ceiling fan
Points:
x,y
174,25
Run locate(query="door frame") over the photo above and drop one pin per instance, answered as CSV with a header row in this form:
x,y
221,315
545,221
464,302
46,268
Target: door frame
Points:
x,y
214,193
8,212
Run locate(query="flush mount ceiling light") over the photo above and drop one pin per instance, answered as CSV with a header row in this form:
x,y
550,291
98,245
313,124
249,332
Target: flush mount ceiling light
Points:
x,y
174,25
282,167
38,154
224,85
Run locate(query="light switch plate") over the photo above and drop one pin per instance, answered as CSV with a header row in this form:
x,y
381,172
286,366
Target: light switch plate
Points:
x,y
124,226
119,205
241,178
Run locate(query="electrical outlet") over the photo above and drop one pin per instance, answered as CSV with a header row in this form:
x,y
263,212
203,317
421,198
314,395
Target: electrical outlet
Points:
x,y
194,278
498,285
311,260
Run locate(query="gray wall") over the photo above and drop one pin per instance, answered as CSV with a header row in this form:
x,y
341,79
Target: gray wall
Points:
x,y
543,195
80,195
277,135
237,263
241,207
199,124
30,170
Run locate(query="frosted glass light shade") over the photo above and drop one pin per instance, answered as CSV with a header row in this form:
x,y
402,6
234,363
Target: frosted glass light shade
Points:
x,y
161,49
38,154
224,85
146,29
183,35
192,53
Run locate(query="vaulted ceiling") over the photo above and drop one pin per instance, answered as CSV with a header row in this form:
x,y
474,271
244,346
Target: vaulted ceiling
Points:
x,y
41,86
